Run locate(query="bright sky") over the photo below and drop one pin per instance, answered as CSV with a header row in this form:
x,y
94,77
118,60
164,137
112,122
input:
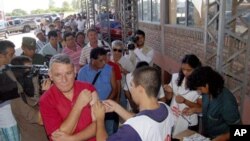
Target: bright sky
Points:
x,y
28,5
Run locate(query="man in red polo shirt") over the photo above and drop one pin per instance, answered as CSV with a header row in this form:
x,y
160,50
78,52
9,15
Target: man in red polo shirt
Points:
x,y
66,106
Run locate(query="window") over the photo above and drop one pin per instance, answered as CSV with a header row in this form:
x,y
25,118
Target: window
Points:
x,y
17,22
187,12
146,10
140,9
156,10
149,10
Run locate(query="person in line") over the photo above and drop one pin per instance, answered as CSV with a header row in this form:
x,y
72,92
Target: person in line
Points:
x,y
102,76
125,67
8,91
66,106
42,41
219,106
152,123
72,49
80,39
93,43
53,47
181,97
29,50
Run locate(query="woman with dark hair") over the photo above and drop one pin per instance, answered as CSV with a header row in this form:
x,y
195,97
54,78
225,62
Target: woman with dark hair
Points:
x,y
181,96
80,39
219,106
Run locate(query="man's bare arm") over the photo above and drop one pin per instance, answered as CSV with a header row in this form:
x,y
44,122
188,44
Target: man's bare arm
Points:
x,y
69,124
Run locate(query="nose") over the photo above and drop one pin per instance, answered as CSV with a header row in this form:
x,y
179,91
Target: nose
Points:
x,y
185,73
64,78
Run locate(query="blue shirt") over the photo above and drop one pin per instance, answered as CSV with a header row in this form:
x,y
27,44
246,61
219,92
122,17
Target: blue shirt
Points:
x,y
103,82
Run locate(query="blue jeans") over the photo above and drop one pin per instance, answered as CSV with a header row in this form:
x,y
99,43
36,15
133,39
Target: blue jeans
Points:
x,y
111,123
9,134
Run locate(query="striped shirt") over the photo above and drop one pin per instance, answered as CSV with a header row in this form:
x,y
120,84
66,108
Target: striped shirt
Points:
x,y
40,44
85,54
74,55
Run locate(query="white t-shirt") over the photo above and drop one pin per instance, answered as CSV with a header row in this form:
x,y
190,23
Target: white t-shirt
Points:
x,y
6,117
181,122
151,130
80,25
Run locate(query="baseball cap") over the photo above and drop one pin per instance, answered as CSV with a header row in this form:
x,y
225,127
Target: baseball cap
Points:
x,y
29,42
37,32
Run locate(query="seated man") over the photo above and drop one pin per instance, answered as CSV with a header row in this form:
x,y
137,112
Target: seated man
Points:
x,y
65,107
152,123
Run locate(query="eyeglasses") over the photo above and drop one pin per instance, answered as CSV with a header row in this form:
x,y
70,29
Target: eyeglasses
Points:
x,y
119,50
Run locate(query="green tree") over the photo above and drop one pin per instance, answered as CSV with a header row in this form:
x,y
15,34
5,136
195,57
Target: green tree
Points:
x,y
65,6
39,11
74,4
51,4
19,12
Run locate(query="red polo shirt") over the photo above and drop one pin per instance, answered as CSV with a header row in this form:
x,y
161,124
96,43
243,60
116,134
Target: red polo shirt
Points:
x,y
55,107
117,70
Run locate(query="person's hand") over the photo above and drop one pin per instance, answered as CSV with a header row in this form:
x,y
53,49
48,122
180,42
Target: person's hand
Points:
x,y
84,98
46,84
179,99
110,105
188,111
61,136
99,110
167,88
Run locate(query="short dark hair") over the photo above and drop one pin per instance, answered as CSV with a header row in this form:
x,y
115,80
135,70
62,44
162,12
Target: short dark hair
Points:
x,y
149,79
20,60
98,51
141,64
193,61
206,75
4,45
67,34
80,33
91,30
140,32
52,33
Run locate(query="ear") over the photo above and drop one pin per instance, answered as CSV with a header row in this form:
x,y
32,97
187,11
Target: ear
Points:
x,y
50,75
141,89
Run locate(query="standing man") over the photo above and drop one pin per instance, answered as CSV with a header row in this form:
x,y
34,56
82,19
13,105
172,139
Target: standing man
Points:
x,y
152,123
72,49
93,43
8,91
29,50
141,52
42,41
53,46
102,76
66,106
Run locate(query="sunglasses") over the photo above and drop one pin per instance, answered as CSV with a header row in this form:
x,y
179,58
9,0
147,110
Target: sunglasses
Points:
x,y
119,50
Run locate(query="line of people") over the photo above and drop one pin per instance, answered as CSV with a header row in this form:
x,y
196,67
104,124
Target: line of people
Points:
x,y
89,88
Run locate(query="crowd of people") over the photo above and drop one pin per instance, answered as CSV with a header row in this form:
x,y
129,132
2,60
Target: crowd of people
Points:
x,y
97,91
